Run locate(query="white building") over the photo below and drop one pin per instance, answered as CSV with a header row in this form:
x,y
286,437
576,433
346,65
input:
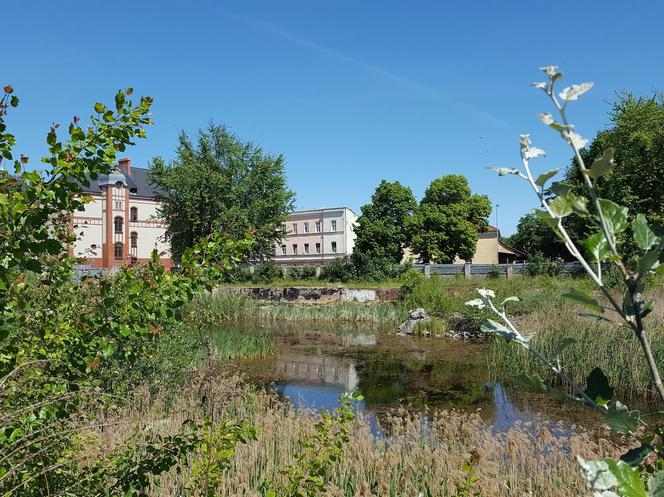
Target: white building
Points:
x,y
316,237
121,224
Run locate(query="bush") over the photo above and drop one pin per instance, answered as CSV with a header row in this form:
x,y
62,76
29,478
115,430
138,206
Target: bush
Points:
x,y
538,265
267,272
238,275
301,273
428,293
377,269
341,269
495,272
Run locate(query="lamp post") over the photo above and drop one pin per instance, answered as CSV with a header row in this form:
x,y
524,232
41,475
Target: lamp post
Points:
x,y
497,236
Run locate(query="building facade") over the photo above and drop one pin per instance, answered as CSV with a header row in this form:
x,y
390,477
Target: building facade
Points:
x,y
489,250
316,237
121,224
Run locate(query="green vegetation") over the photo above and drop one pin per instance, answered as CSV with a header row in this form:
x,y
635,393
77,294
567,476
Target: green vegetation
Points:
x,y
222,184
381,228
636,135
230,343
447,221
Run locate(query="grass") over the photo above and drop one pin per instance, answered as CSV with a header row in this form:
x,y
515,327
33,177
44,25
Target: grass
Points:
x,y
232,343
608,346
417,456
226,307
315,283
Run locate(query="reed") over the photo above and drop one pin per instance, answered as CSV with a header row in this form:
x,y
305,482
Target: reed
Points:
x,y
415,455
593,344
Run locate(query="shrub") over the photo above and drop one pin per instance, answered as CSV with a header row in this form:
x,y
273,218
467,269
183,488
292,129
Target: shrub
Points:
x,y
341,269
267,272
301,273
538,265
495,272
428,293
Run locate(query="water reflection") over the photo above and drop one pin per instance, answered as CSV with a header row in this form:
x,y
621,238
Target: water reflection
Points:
x,y
314,367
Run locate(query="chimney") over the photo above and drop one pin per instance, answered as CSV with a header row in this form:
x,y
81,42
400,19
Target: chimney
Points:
x,y
125,164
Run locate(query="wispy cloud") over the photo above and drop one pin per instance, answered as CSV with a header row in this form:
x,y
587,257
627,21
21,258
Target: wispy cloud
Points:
x,y
403,81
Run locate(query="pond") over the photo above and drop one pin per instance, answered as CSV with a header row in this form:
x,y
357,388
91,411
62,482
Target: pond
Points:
x,y
313,365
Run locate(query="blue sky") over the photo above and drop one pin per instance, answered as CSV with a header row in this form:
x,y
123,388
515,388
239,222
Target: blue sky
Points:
x,y
350,92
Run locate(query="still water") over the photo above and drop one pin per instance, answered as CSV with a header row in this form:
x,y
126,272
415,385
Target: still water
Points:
x,y
312,366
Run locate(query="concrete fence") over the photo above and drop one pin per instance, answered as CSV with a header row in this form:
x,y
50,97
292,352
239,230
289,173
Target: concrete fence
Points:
x,y
484,270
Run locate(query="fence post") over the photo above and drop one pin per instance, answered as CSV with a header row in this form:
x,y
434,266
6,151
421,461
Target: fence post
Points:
x,y
466,270
427,270
317,271
509,273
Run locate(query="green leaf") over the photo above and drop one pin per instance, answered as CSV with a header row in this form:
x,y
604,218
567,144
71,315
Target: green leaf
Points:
x,y
644,237
629,481
561,206
604,165
561,189
562,345
614,215
648,261
573,92
621,420
492,326
656,485
543,178
505,171
584,299
598,475
598,247
531,383
579,204
635,456
597,387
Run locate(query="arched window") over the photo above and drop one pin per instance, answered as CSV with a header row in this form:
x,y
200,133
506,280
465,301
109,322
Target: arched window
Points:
x,y
118,224
118,250
134,239
119,185
133,214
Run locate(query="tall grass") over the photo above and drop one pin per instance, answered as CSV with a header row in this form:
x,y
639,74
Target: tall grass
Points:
x,y
595,344
224,307
416,455
233,343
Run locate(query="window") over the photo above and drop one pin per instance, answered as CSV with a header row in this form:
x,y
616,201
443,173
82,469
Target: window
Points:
x,y
118,250
334,225
306,248
283,250
118,206
306,227
295,228
119,185
295,249
133,214
334,247
118,224
134,239
317,226
318,248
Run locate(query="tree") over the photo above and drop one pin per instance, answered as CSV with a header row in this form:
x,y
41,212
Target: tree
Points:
x,y
447,221
636,136
534,236
222,184
380,230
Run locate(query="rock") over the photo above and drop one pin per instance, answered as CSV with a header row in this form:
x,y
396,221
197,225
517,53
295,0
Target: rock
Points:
x,y
414,317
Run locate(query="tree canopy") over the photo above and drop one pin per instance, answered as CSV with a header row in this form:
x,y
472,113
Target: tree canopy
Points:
x,y
636,135
534,236
380,229
447,221
222,184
